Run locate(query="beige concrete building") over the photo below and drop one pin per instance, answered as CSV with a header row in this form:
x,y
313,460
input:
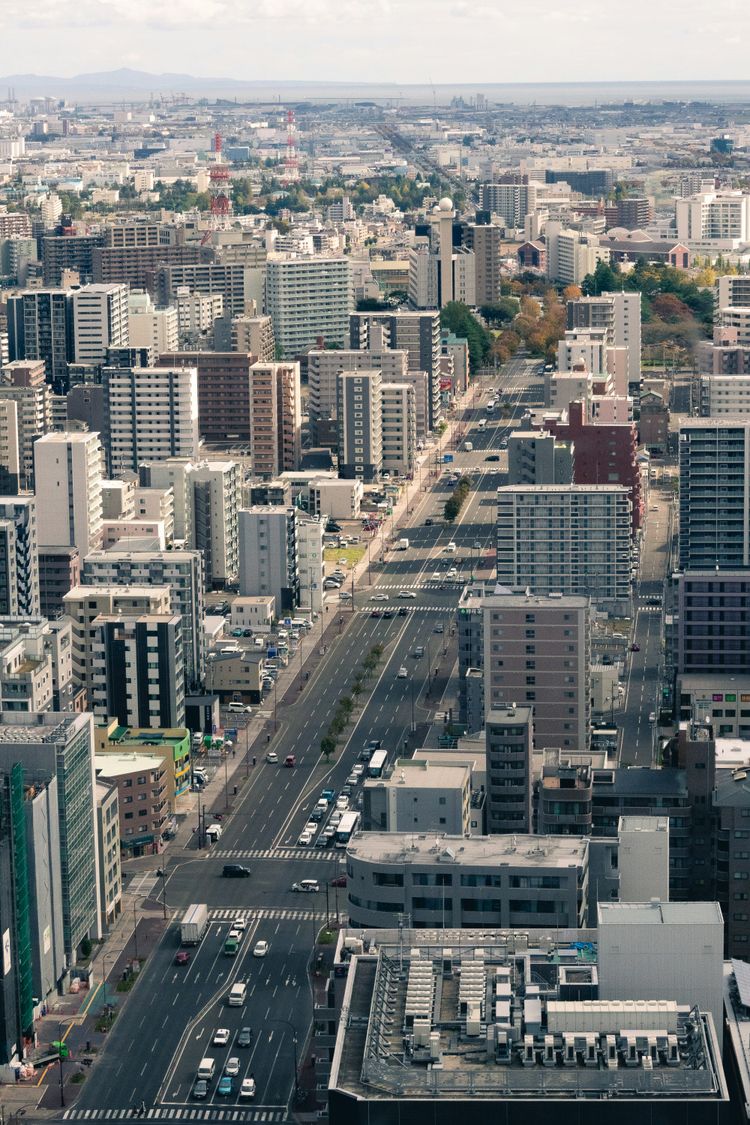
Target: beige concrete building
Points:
x,y
275,418
145,792
68,472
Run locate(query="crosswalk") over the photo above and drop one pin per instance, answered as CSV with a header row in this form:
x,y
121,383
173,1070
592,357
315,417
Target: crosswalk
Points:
x,y
283,914
186,1113
239,854
425,584
367,609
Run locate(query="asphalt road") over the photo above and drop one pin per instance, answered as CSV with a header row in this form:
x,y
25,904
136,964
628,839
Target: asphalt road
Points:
x,y
162,1033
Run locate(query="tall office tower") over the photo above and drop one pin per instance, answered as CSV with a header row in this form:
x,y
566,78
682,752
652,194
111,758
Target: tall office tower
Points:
x,y
137,670
510,202
84,604
509,750
150,413
323,370
40,326
399,428
714,457
223,392
308,299
537,652
619,314
275,418
19,560
486,242
415,332
233,280
568,539
269,549
68,474
61,252
714,216
24,384
149,327
360,424
61,745
100,321
254,334
10,462
182,571
216,487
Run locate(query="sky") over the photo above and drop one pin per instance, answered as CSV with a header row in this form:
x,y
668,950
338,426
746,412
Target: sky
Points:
x,y
401,41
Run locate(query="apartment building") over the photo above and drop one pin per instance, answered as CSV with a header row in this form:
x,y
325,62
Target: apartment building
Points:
x,y
142,781
714,493
619,316
420,795
510,202
40,327
572,254
725,394
19,558
196,314
100,321
310,565
537,457
10,460
68,473
232,280
308,299
713,624
151,327
718,217
537,651
254,334
223,392
399,428
59,572
151,413
570,539
509,749
323,370
417,332
215,488
268,553
275,418
137,671
360,424
62,253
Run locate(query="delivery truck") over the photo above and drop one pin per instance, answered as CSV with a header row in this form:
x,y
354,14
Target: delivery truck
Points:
x,y
194,924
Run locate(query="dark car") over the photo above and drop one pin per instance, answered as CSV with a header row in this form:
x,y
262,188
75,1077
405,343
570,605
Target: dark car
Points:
x,y
200,1089
247,632
429,522
376,613
332,527
339,881
387,614
181,958
492,457
403,611
635,648
235,871
245,1037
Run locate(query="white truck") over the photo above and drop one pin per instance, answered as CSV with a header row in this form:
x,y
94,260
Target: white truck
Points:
x,y
468,446
402,545
194,924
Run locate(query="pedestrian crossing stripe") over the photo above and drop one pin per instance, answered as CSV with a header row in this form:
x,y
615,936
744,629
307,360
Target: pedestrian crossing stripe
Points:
x,y
276,853
283,914
185,1113
446,610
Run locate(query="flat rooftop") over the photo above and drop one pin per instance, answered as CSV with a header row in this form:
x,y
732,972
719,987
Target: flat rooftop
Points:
x,y
670,913
427,848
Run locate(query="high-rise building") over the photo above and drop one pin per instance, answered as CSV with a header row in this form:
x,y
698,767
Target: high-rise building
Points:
x,y
254,334
567,539
537,457
100,321
68,472
308,299
360,424
10,462
269,565
323,369
19,559
537,652
714,456
509,745
69,252
196,317
510,202
215,488
223,392
399,428
137,670
275,418
572,254
40,327
182,571
23,384
415,332
714,217
619,314
231,279
485,240
59,572
150,413
149,327
310,565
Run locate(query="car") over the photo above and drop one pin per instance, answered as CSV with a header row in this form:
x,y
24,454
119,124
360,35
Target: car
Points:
x,y
247,632
307,886
331,584
237,708
333,528
652,716
327,795
402,673
346,790
225,1088
351,781
492,457
335,818
317,815
247,1089
181,958
311,827
376,613
339,881
357,771
290,761
232,1067
326,835
451,547
477,546
403,611
379,598
429,522
453,572
261,949
245,1037
235,871
234,934
272,757
404,594
200,1089
387,614
304,839
236,633
240,924
222,1035
345,596
342,803
418,652
635,648
439,628
322,841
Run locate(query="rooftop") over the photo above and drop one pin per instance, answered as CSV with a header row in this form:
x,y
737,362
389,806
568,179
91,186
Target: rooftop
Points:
x,y
669,913
120,765
429,848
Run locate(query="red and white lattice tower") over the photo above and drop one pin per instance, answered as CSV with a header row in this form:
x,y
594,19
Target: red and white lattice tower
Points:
x,y
221,204
291,164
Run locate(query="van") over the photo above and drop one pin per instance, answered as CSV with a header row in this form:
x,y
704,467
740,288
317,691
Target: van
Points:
x,y
468,446
237,994
231,946
237,708
213,833
300,623
259,642
206,1069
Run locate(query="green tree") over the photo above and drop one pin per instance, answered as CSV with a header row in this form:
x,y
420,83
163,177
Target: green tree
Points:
x,y
456,317
327,747
603,280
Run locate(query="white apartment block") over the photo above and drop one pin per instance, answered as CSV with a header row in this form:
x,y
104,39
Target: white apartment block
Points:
x,y
100,321
566,539
324,368
736,318
173,474
399,422
151,413
156,505
510,202
33,401
360,424
268,537
68,473
150,327
720,218
215,488
310,563
619,315
196,313
308,299
572,254
10,461
725,394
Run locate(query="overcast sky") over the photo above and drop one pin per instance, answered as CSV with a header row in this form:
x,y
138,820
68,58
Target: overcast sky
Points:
x,y
474,41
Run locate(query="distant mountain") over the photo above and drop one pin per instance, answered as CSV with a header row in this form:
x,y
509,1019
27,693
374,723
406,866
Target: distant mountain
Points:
x,y
116,82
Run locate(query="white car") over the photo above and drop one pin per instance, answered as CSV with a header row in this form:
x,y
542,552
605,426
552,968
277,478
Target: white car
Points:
x,y
452,573
358,770
342,803
436,574
235,934
451,548
311,827
402,674
272,757
305,839
352,779
247,1089
221,1037
345,596
261,949
232,1068
240,924
406,594
379,598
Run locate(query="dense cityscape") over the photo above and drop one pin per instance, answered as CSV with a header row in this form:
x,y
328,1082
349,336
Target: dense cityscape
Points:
x,y
374,605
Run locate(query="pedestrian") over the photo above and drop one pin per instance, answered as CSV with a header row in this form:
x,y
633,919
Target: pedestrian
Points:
x,y
254,758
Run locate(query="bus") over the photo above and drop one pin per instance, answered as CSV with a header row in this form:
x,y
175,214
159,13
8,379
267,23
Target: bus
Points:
x,y
346,828
377,762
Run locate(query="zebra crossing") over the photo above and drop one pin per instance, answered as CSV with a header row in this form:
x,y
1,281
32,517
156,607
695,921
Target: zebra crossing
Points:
x,y
275,853
424,584
368,609
282,914
173,1113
